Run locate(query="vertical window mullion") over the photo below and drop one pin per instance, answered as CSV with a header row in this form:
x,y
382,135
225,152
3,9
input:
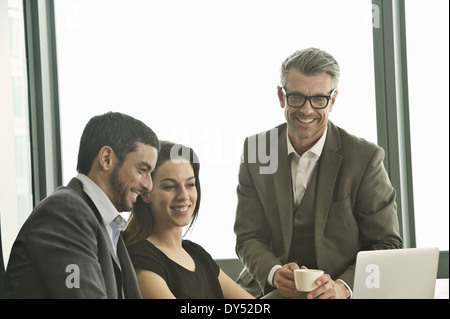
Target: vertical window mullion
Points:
x,y
392,106
43,97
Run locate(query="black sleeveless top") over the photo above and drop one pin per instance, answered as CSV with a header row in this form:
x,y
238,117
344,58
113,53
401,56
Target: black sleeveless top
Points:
x,y
203,283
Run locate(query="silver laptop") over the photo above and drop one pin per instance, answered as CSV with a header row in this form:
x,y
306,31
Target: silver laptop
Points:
x,y
408,273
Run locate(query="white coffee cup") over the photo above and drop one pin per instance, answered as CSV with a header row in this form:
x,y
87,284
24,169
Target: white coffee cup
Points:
x,y
305,279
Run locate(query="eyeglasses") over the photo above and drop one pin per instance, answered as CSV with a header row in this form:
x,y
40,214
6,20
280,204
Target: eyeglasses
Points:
x,y
297,100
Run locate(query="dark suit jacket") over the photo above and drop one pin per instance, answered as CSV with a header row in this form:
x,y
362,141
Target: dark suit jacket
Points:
x,y
66,229
355,209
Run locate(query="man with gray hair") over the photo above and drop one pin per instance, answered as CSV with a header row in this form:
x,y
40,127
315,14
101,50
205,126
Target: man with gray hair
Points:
x,y
329,198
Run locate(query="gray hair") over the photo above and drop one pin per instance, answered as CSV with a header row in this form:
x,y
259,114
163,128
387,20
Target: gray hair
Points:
x,y
311,61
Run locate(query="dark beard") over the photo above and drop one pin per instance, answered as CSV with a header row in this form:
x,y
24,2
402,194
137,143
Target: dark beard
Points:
x,y
119,191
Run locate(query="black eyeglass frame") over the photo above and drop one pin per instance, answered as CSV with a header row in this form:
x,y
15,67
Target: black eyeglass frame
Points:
x,y
308,98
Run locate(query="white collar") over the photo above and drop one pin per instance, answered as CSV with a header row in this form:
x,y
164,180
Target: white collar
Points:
x,y
106,208
315,149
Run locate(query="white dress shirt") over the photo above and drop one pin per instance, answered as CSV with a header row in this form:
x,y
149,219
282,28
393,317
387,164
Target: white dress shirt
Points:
x,y
302,167
112,219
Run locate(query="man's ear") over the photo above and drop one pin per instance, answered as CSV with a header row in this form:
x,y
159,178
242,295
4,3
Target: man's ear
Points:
x,y
106,158
281,96
333,100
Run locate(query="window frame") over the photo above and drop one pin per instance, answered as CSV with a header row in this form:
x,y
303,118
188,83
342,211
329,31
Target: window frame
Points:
x,y
393,127
43,97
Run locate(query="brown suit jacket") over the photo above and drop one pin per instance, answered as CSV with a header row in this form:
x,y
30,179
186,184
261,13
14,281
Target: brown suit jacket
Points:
x,y
355,208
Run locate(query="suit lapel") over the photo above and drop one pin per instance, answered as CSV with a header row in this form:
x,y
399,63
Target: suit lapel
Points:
x,y
283,189
130,288
123,268
330,162
77,186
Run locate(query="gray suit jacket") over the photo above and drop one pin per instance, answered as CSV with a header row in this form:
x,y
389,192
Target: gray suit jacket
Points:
x,y
355,209
64,230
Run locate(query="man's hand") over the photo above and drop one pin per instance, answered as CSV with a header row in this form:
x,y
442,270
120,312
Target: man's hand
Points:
x,y
329,289
283,279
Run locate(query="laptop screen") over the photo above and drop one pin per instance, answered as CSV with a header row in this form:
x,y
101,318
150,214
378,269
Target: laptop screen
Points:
x,y
396,274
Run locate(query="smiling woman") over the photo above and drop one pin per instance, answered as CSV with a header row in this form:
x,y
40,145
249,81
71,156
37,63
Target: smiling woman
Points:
x,y
166,265
174,200
205,74
174,194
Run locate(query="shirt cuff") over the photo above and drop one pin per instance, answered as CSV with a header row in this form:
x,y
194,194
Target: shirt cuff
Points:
x,y
271,273
348,287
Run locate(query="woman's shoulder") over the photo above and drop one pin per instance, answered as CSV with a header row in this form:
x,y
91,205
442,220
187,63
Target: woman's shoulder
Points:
x,y
145,255
187,244
203,259
142,247
195,249
139,244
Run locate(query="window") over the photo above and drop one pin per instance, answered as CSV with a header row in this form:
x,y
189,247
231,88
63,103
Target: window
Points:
x,y
428,55
204,73
16,188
